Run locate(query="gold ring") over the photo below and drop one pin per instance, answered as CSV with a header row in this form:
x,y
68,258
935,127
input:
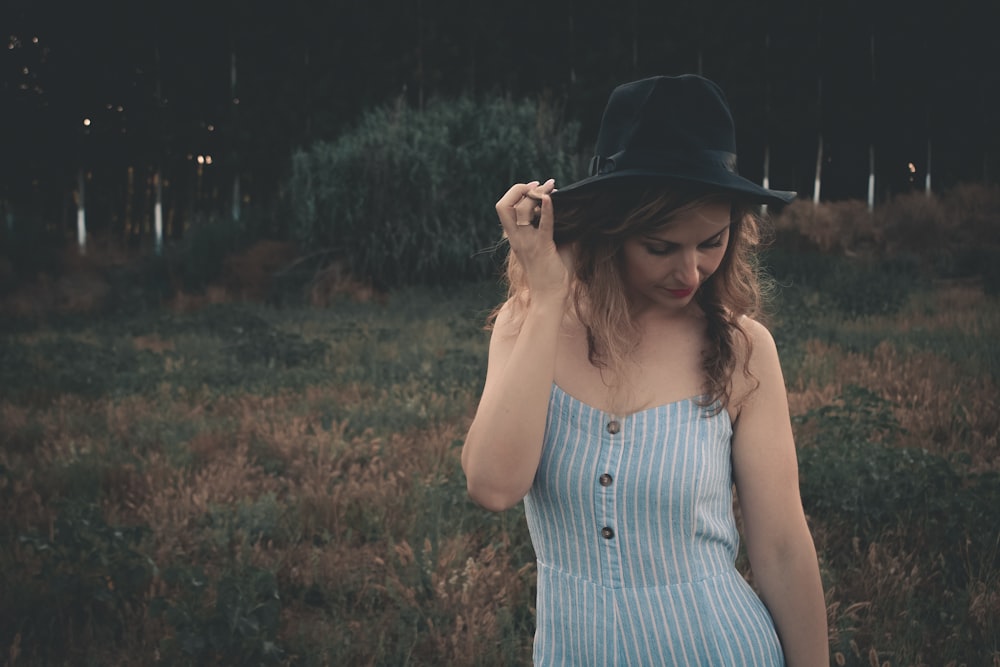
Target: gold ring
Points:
x,y
522,224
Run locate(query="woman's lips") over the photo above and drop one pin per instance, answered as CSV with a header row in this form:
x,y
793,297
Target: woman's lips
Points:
x,y
681,293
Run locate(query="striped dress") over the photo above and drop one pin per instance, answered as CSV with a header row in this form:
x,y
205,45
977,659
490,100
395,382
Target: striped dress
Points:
x,y
632,524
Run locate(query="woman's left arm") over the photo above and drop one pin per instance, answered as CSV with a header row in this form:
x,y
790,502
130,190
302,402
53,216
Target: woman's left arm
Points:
x,y
779,544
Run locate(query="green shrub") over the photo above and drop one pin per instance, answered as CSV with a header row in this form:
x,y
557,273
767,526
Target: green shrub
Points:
x,y
31,247
804,268
80,583
881,287
407,196
67,365
853,473
278,347
854,286
196,261
239,628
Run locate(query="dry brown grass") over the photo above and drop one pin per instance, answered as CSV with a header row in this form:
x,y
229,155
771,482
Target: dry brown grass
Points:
x,y
845,227
966,217
249,274
326,482
940,407
341,514
335,282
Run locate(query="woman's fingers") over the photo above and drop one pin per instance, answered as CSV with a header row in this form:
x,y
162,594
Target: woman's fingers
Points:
x,y
546,216
521,206
507,207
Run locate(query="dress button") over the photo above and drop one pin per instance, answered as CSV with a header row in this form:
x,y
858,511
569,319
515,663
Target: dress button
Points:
x,y
605,479
607,533
614,427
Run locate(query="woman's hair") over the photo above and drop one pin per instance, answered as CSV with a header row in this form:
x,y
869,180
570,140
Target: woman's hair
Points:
x,y
598,222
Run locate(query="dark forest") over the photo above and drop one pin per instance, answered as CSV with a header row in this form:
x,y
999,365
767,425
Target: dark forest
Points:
x,y
162,85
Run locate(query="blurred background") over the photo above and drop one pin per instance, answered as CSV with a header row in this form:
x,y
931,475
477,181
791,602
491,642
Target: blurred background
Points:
x,y
247,250
107,101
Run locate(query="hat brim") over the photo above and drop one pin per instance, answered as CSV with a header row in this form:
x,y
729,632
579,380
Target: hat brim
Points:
x,y
721,181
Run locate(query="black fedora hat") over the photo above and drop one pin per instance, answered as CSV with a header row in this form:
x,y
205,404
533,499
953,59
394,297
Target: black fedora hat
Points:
x,y
671,129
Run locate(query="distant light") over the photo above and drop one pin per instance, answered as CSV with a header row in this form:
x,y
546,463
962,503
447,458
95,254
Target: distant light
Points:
x,y
211,128
236,100
34,40
109,106
912,167
120,108
86,122
208,159
24,70
190,157
201,159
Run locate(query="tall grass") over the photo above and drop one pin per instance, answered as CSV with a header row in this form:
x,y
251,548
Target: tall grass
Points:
x,y
253,485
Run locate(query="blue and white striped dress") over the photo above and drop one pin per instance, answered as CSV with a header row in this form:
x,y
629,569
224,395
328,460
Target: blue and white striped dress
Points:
x,y
632,524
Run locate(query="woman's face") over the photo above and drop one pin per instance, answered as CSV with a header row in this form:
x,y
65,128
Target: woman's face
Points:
x,y
665,267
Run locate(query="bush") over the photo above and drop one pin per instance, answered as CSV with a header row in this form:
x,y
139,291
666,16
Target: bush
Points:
x,y
843,227
975,210
854,474
83,583
199,258
407,197
860,288
239,627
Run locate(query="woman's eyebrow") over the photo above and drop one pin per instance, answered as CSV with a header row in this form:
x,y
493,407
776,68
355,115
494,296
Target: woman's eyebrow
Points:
x,y
650,237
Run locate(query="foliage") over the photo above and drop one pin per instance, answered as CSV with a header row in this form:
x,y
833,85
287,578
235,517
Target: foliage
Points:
x,y
853,473
952,235
240,627
296,474
407,196
81,584
197,260
26,250
855,287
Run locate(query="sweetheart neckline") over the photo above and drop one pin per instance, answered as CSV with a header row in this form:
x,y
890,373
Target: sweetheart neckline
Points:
x,y
689,399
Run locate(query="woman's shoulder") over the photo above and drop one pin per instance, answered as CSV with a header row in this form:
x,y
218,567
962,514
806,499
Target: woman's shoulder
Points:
x,y
507,317
757,333
756,353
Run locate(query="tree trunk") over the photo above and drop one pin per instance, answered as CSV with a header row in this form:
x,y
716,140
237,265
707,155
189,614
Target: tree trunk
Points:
x,y
81,211
232,156
871,145
871,177
819,169
927,174
158,213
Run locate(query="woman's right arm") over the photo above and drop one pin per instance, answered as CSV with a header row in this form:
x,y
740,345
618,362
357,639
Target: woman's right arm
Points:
x,y
504,443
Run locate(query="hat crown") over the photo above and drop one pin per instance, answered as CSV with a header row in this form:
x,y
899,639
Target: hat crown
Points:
x,y
684,117
672,129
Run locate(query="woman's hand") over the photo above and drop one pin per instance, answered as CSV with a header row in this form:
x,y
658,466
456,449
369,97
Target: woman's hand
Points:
x,y
548,269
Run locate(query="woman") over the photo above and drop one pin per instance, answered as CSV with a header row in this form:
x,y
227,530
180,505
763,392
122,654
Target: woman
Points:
x,y
629,389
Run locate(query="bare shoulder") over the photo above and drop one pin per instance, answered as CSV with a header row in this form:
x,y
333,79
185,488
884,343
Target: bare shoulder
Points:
x,y
509,317
761,340
758,354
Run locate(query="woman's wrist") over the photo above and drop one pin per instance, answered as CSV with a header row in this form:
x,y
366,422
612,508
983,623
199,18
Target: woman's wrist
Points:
x,y
551,298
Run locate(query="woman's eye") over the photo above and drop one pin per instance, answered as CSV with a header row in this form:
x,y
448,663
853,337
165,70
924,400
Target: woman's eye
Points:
x,y
714,243
659,250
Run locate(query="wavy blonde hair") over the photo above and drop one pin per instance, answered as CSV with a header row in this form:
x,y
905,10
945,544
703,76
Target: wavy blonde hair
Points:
x,y
598,222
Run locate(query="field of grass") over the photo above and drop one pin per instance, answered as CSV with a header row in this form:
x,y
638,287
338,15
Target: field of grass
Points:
x,y
245,484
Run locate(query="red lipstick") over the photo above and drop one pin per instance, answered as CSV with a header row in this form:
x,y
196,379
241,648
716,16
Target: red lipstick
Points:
x,y
681,293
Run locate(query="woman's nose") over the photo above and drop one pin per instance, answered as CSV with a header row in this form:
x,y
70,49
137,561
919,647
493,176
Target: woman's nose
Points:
x,y
687,271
